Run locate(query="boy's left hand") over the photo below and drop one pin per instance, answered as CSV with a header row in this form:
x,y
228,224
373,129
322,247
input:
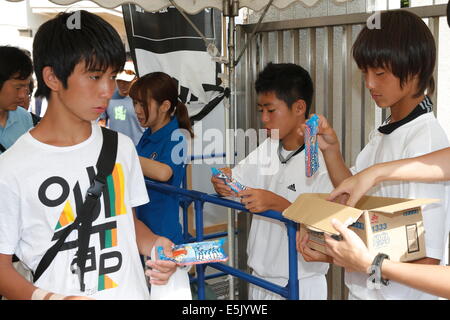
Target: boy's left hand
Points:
x,y
310,255
161,270
257,200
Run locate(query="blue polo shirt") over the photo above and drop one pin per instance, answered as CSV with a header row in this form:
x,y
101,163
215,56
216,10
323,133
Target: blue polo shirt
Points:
x,y
19,121
161,214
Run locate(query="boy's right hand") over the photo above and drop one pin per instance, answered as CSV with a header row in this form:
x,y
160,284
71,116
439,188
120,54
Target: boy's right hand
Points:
x,y
353,188
328,140
220,186
350,253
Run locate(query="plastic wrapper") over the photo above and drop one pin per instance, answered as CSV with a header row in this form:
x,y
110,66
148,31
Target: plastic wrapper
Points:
x,y
229,181
196,253
311,146
176,288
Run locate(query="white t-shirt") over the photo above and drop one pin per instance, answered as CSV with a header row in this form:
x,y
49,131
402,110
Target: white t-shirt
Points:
x,y
41,189
267,247
417,137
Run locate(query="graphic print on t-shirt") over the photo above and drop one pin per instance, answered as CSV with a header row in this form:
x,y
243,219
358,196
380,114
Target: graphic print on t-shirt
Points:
x,y
67,216
120,113
104,228
113,199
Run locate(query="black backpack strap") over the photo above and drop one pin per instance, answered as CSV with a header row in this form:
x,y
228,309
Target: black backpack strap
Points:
x,y
2,148
105,166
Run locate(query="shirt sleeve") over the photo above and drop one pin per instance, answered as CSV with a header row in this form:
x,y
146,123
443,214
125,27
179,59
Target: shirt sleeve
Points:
x,y
9,219
174,155
136,184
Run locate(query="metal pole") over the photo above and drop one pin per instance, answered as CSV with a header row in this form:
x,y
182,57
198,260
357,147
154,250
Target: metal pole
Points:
x,y
199,237
232,119
231,9
293,286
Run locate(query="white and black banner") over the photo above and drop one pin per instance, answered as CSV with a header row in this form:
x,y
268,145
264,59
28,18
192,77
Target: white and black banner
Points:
x,y
165,41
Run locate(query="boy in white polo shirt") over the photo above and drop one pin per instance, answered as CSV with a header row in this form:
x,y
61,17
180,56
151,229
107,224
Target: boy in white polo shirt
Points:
x,y
398,62
275,176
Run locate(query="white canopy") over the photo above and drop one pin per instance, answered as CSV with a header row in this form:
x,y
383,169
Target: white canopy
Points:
x,y
191,6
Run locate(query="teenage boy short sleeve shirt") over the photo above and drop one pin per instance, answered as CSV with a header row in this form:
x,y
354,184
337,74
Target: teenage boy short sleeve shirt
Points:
x,y
268,242
415,138
40,195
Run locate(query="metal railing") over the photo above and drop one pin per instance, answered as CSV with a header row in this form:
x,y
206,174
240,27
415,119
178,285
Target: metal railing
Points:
x,y
291,291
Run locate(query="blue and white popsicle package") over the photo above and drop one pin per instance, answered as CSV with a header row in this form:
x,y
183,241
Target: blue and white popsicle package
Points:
x,y
311,146
229,181
196,252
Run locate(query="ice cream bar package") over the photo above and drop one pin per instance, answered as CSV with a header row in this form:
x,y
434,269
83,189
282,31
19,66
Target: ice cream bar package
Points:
x,y
311,146
229,181
196,252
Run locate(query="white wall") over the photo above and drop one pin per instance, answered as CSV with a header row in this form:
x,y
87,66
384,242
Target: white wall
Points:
x,y
14,16
31,14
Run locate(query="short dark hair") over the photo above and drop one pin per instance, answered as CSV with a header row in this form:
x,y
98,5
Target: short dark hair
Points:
x,y
14,64
290,82
403,45
61,46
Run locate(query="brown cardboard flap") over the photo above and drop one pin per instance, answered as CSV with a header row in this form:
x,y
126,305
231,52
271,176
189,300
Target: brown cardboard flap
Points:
x,y
313,210
405,205
370,202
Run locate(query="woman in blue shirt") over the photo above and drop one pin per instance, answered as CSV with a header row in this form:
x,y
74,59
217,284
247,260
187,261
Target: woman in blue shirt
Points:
x,y
162,149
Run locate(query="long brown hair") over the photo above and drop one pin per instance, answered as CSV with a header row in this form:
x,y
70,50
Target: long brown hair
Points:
x,y
161,87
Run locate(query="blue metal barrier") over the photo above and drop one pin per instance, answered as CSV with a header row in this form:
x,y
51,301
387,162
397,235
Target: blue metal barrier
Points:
x,y
199,198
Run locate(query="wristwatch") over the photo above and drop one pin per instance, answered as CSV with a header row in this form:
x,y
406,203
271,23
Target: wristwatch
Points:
x,y
376,269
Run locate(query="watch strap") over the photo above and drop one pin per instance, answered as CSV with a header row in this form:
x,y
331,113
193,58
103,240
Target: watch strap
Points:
x,y
376,268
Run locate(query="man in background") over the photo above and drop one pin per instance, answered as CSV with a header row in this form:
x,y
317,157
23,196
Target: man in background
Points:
x,y
15,74
120,115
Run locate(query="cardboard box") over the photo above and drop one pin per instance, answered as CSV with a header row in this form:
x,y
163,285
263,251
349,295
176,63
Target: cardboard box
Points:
x,y
393,226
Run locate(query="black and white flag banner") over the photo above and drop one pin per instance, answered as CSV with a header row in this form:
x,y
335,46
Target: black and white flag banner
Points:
x,y
165,41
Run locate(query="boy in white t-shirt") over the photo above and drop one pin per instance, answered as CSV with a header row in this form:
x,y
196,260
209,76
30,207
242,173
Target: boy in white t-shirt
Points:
x,y
275,176
42,192
398,63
